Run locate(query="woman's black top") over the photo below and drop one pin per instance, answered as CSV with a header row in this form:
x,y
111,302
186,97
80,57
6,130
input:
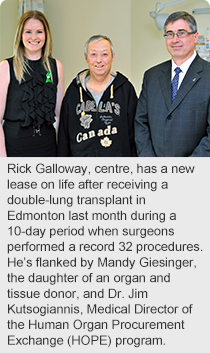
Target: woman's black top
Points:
x,y
30,111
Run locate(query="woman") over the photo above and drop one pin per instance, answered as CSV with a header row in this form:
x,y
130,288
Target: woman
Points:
x,y
31,92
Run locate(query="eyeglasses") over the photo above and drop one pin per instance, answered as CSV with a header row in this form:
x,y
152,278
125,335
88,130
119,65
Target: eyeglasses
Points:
x,y
179,34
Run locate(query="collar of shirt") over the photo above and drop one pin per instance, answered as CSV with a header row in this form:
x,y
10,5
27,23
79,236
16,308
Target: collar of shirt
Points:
x,y
184,67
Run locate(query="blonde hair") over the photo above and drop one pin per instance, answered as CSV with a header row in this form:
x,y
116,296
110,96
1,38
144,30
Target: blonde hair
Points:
x,y
20,65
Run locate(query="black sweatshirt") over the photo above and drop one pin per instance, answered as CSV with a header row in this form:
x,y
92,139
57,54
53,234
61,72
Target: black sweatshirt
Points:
x,y
86,130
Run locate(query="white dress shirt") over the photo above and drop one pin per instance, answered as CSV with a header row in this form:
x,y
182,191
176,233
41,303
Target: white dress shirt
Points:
x,y
184,67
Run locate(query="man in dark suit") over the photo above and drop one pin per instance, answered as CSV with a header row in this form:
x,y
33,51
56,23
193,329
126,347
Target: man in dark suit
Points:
x,y
173,112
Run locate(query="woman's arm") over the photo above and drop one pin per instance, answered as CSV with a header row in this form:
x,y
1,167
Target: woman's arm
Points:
x,y
60,91
4,79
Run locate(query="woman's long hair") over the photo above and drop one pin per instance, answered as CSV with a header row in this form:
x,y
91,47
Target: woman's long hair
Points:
x,y
20,65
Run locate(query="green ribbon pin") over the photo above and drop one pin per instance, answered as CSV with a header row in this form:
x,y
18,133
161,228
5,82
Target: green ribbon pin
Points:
x,y
48,75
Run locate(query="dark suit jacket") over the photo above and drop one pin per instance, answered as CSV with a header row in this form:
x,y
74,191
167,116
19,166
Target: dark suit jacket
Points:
x,y
178,129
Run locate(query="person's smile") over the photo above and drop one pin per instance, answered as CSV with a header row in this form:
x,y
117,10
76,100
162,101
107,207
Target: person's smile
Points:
x,y
33,37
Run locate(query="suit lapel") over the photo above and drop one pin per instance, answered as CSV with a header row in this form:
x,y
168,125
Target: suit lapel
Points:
x,y
165,83
191,78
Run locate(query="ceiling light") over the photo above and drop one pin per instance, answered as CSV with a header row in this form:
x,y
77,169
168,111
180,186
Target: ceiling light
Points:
x,y
201,11
161,18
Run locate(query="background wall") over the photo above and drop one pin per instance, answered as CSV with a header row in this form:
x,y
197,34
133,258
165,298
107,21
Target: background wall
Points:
x,y
138,43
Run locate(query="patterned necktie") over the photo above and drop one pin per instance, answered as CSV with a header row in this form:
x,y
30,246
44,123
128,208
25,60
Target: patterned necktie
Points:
x,y
174,83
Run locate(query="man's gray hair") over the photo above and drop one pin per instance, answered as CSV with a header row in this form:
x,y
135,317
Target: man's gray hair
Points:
x,y
97,38
182,15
